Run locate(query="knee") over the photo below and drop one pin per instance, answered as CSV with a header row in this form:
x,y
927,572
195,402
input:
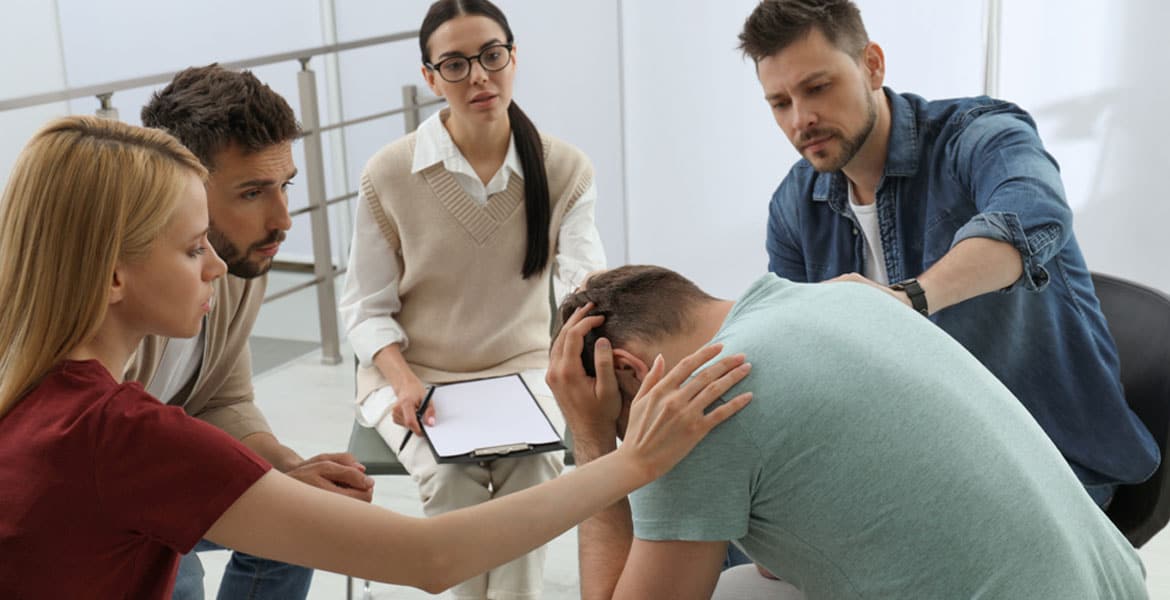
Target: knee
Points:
x,y
524,472
437,481
544,466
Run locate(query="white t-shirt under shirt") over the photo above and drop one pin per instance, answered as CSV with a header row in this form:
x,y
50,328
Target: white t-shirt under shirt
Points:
x,y
875,256
180,362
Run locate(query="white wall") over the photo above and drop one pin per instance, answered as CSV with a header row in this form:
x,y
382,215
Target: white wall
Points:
x,y
704,154
1095,76
656,93
33,37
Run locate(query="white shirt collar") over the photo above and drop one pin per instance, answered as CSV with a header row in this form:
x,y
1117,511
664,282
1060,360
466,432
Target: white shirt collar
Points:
x,y
433,144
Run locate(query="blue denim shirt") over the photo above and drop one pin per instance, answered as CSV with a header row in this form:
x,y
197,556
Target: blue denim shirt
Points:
x,y
975,167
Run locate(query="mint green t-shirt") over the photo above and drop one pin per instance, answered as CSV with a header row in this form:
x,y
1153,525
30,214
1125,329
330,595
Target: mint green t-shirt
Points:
x,y
880,460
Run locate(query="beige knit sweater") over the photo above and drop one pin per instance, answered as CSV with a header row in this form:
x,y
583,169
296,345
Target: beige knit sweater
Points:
x,y
465,306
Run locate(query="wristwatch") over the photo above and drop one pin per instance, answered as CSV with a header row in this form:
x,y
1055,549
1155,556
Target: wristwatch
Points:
x,y
915,292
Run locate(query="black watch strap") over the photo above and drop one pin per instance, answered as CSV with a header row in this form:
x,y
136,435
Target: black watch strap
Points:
x,y
915,292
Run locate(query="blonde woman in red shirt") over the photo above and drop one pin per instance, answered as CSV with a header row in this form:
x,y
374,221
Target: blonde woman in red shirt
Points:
x,y
103,240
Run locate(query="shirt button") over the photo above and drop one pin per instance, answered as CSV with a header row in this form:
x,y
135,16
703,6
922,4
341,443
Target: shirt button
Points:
x,y
854,231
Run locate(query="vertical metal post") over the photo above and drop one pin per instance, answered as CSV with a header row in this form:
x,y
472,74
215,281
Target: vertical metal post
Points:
x,y
992,36
319,215
106,110
412,116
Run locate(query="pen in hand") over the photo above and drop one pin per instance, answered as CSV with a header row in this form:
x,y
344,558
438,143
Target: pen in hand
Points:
x,y
422,409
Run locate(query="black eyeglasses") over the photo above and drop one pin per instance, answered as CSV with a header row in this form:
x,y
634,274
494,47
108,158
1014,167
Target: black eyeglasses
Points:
x,y
457,68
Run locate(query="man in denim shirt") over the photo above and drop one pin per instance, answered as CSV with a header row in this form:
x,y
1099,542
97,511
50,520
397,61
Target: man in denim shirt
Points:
x,y
958,206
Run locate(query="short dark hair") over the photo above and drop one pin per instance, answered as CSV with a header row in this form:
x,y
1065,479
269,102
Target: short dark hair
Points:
x,y
775,24
211,108
639,302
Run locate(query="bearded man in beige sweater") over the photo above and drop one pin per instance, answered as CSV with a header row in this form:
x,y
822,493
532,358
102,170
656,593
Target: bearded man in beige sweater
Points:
x,y
243,132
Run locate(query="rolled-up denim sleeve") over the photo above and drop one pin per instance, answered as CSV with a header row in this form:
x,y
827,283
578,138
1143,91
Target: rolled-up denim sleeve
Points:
x,y
784,255
1016,187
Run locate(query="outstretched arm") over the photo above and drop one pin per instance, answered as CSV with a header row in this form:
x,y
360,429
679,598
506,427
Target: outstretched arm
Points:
x,y
975,266
282,519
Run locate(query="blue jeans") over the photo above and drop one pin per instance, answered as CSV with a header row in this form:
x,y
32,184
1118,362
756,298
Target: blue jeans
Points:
x,y
735,557
246,577
1102,494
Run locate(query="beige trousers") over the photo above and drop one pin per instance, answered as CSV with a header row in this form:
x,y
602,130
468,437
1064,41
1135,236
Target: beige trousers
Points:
x,y
447,487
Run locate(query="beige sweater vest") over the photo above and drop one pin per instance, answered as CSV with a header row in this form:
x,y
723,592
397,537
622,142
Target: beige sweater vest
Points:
x,y
466,309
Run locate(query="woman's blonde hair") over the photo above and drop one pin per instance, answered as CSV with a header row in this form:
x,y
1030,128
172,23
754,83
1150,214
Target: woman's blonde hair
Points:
x,y
86,194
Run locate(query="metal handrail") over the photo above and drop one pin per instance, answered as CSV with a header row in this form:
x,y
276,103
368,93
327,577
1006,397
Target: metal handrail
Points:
x,y
323,269
137,82
382,115
993,34
330,202
288,291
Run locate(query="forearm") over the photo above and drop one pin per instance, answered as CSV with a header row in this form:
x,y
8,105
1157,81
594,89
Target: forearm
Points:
x,y
270,449
975,266
603,540
392,365
343,535
570,500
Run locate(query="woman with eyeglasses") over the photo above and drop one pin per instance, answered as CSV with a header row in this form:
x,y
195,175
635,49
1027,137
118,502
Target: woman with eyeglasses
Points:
x,y
466,226
103,240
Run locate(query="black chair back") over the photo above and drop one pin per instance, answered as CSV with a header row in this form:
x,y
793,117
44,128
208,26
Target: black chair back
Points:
x,y
1139,319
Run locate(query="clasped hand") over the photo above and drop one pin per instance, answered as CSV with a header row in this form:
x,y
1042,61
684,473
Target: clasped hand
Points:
x,y
338,472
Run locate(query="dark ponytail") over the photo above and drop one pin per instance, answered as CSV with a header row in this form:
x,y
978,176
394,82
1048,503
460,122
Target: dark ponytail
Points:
x,y
536,201
528,145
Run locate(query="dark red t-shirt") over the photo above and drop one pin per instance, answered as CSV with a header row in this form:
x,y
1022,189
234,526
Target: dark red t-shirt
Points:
x,y
102,487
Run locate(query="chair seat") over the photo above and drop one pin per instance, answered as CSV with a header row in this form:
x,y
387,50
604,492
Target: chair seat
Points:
x,y
371,450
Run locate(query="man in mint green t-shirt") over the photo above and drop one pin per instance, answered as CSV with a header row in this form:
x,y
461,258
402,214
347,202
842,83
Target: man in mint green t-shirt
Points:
x,y
877,458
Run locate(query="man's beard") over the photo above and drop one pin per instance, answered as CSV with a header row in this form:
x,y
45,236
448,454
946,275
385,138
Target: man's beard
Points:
x,y
849,146
237,260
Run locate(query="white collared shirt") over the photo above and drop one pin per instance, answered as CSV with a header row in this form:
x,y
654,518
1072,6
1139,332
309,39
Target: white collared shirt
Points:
x,y
369,298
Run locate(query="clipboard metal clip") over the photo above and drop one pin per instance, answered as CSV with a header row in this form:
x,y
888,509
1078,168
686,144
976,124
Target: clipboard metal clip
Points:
x,y
501,450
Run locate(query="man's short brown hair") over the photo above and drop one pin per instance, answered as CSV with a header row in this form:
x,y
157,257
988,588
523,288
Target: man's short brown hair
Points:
x,y
639,302
775,24
211,108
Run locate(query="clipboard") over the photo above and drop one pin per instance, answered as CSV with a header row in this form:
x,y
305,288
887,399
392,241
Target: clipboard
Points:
x,y
480,420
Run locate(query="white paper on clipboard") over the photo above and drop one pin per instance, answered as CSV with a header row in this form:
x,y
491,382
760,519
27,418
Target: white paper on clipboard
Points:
x,y
486,413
